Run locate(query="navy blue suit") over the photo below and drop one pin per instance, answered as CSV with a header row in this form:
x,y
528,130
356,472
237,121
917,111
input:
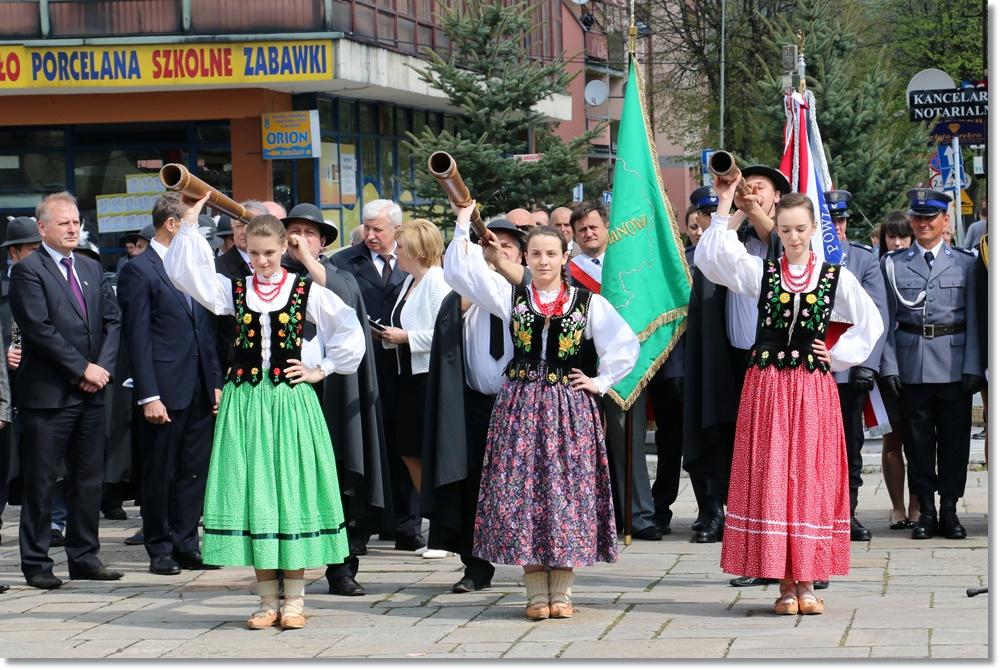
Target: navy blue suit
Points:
x,y
172,351
61,421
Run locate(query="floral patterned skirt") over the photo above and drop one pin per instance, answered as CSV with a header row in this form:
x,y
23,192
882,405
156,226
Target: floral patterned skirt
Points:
x,y
545,496
789,506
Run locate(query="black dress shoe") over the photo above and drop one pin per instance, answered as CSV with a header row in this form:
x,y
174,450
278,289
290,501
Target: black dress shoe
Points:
x,y
4,587
949,526
649,533
44,580
164,565
858,532
56,538
468,585
346,586
115,513
100,574
411,543
136,539
821,584
712,532
927,524
752,581
191,560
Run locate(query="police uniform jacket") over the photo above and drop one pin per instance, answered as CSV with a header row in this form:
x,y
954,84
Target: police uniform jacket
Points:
x,y
949,299
863,264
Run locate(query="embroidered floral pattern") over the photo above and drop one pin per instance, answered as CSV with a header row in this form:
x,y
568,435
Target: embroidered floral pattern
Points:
x,y
786,335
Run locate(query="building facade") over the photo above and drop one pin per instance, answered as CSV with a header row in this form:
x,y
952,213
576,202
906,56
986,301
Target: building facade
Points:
x,y
97,92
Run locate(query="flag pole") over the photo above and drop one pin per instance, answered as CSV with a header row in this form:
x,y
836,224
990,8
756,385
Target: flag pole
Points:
x,y
627,512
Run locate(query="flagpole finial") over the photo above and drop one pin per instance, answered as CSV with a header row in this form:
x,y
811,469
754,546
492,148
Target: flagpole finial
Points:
x,y
802,62
633,32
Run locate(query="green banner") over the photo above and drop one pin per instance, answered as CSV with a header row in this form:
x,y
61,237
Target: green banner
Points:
x,y
645,276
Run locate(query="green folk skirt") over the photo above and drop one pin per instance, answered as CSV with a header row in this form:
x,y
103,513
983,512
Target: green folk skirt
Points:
x,y
272,500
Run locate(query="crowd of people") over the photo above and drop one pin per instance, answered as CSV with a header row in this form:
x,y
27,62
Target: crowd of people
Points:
x,y
294,403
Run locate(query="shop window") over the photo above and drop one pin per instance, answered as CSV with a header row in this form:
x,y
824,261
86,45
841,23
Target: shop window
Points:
x,y
215,133
385,120
327,118
419,121
348,118
214,166
402,120
388,170
132,133
26,176
369,161
369,121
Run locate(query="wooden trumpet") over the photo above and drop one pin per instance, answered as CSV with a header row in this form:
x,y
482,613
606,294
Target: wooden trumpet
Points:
x,y
723,164
442,166
176,177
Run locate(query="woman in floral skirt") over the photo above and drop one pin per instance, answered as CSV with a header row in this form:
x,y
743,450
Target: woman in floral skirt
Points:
x,y
545,499
272,500
788,512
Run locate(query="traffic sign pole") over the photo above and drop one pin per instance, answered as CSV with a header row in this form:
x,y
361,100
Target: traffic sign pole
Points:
x,y
957,171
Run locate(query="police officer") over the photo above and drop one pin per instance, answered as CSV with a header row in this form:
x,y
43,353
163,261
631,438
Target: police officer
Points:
x,y
854,385
932,359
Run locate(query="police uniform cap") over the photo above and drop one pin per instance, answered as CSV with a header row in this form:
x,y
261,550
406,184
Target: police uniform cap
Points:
x,y
838,202
927,201
704,198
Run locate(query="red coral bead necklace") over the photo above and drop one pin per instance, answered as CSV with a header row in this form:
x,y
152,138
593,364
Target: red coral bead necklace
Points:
x,y
797,283
269,294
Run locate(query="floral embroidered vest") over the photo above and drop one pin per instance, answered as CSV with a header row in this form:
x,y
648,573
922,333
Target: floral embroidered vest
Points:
x,y
566,347
790,322
286,323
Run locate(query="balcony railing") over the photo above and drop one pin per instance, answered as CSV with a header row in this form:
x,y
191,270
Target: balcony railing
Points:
x,y
406,26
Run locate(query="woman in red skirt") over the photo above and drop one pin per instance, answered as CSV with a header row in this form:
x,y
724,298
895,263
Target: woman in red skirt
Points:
x,y
788,512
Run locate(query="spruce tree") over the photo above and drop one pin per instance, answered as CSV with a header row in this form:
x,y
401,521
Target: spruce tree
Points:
x,y
491,78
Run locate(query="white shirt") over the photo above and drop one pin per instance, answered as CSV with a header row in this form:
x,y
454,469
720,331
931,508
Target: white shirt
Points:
x,y
58,257
741,311
600,259
725,261
483,373
245,256
467,273
191,267
379,263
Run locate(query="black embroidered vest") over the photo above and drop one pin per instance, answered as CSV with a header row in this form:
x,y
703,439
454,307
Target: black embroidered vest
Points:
x,y
790,322
287,324
566,348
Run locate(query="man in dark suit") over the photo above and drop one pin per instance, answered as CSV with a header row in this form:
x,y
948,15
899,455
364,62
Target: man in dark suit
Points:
x,y
178,383
69,324
373,265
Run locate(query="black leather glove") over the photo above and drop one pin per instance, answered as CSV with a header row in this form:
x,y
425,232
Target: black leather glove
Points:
x,y
862,379
972,383
893,384
675,389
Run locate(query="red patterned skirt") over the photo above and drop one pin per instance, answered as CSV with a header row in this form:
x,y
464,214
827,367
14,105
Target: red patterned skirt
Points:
x,y
789,505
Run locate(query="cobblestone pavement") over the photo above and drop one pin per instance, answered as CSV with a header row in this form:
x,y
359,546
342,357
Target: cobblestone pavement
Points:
x,y
903,599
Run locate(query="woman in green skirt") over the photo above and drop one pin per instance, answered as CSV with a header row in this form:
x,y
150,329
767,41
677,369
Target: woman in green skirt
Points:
x,y
272,500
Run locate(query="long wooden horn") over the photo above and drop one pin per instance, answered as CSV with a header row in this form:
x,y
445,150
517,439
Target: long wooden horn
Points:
x,y
176,177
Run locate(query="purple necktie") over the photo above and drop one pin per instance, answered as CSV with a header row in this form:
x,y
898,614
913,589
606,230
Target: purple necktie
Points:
x,y
74,285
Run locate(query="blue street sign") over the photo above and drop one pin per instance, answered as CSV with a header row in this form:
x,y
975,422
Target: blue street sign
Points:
x,y
706,175
606,197
950,165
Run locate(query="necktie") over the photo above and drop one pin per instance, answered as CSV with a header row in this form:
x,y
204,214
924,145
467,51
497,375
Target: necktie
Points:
x,y
496,337
386,267
929,258
596,261
74,285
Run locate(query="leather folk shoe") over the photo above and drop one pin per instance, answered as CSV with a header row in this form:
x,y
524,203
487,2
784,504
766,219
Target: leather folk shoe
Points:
x,y
164,565
858,532
346,586
100,573
44,580
537,612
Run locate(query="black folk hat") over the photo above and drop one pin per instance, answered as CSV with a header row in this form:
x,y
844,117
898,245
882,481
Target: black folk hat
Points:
x,y
305,211
21,230
779,180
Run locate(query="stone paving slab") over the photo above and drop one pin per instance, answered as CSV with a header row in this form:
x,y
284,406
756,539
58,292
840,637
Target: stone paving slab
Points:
x,y
670,599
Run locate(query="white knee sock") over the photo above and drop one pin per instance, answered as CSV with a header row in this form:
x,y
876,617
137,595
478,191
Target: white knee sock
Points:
x,y
560,582
295,596
537,586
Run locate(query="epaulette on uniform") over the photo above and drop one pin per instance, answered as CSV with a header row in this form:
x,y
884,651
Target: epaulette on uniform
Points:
x,y
967,252
861,245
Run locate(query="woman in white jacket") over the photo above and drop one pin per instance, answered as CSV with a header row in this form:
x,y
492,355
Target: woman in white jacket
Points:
x,y
419,251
